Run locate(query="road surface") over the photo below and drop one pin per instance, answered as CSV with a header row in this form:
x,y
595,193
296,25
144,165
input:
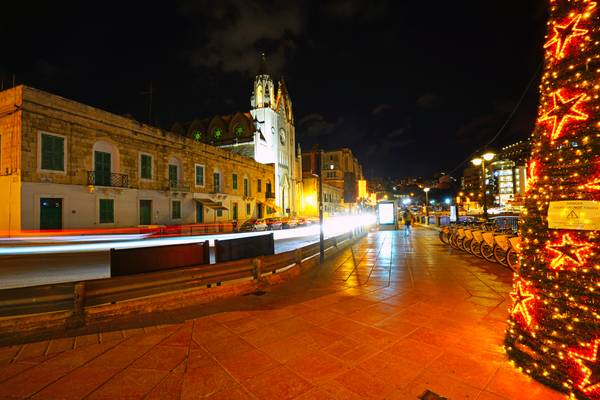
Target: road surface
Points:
x,y
21,270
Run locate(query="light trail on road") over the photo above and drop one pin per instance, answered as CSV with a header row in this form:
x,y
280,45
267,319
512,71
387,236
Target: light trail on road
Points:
x,y
331,227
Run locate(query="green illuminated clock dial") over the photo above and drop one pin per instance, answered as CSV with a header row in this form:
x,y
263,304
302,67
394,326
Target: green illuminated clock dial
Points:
x,y
197,135
217,133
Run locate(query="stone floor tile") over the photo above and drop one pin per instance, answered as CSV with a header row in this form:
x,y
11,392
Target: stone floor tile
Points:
x,y
317,366
9,370
227,345
205,381
463,367
235,393
110,336
170,387
278,383
8,353
364,384
319,317
59,345
86,340
181,337
33,350
120,356
80,356
244,324
247,364
32,380
78,383
442,385
286,349
163,358
411,350
131,383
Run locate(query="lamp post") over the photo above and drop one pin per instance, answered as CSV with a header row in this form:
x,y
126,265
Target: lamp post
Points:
x,y
488,156
320,203
426,190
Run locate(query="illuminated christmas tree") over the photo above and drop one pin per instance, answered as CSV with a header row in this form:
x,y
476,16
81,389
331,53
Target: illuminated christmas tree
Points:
x,y
554,326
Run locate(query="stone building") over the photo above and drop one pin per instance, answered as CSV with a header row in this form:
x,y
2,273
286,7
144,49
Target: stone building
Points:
x,y
265,133
332,198
340,169
68,165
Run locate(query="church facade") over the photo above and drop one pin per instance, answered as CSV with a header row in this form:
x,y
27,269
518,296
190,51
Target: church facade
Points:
x,y
265,133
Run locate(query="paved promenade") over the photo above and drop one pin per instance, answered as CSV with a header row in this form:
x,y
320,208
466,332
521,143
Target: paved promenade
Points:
x,y
390,318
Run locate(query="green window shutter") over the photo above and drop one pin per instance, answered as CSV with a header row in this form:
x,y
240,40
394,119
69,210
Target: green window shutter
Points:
x,y
259,189
146,166
234,181
176,209
199,175
107,211
53,153
248,209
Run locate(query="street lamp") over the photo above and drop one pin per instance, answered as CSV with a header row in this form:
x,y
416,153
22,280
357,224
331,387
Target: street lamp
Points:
x,y
426,190
477,161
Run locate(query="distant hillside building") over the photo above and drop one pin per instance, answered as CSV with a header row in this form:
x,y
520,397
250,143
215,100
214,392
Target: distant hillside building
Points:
x,y
518,152
265,133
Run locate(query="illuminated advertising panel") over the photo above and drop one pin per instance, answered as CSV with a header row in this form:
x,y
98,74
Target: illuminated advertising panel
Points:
x,y
385,211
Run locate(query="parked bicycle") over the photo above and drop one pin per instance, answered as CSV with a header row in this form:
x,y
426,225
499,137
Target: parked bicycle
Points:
x,y
490,240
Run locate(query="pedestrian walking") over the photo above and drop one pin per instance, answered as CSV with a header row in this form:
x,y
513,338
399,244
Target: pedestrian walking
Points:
x,y
407,217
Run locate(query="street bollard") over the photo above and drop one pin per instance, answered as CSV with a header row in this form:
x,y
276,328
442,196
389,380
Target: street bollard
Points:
x,y
256,271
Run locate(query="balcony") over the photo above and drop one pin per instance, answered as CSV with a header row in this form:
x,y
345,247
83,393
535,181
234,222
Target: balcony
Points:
x,y
178,186
269,195
100,178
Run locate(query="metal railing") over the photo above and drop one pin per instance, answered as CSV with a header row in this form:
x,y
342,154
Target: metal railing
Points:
x,y
101,178
269,195
77,296
178,186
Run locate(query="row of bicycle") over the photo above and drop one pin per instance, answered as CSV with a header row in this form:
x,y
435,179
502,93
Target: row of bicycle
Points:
x,y
485,240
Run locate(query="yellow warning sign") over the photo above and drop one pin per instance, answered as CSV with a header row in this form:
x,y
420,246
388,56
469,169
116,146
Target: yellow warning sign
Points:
x,y
574,214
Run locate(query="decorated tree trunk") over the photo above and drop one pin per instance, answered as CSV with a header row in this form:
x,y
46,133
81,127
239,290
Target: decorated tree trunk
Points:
x,y
554,325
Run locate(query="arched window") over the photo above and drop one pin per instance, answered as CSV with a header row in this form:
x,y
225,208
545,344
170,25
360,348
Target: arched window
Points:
x,y
259,96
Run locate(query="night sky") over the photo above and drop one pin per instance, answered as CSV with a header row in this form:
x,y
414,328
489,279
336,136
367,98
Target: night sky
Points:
x,y
412,87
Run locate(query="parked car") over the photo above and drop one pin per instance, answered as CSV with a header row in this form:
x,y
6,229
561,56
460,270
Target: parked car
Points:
x,y
303,221
273,224
288,223
253,225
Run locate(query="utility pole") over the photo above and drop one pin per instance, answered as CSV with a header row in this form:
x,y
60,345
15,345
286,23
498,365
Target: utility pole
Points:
x,y
321,235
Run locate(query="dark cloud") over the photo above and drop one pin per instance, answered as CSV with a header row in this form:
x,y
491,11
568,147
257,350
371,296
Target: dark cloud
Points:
x,y
381,109
315,125
428,101
234,31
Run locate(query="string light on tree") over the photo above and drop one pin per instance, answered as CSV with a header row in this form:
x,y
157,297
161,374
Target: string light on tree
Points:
x,y
563,111
587,360
569,252
565,35
522,302
553,330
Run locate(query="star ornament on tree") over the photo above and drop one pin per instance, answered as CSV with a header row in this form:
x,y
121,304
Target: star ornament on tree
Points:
x,y
522,302
569,252
562,112
588,361
532,174
564,35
